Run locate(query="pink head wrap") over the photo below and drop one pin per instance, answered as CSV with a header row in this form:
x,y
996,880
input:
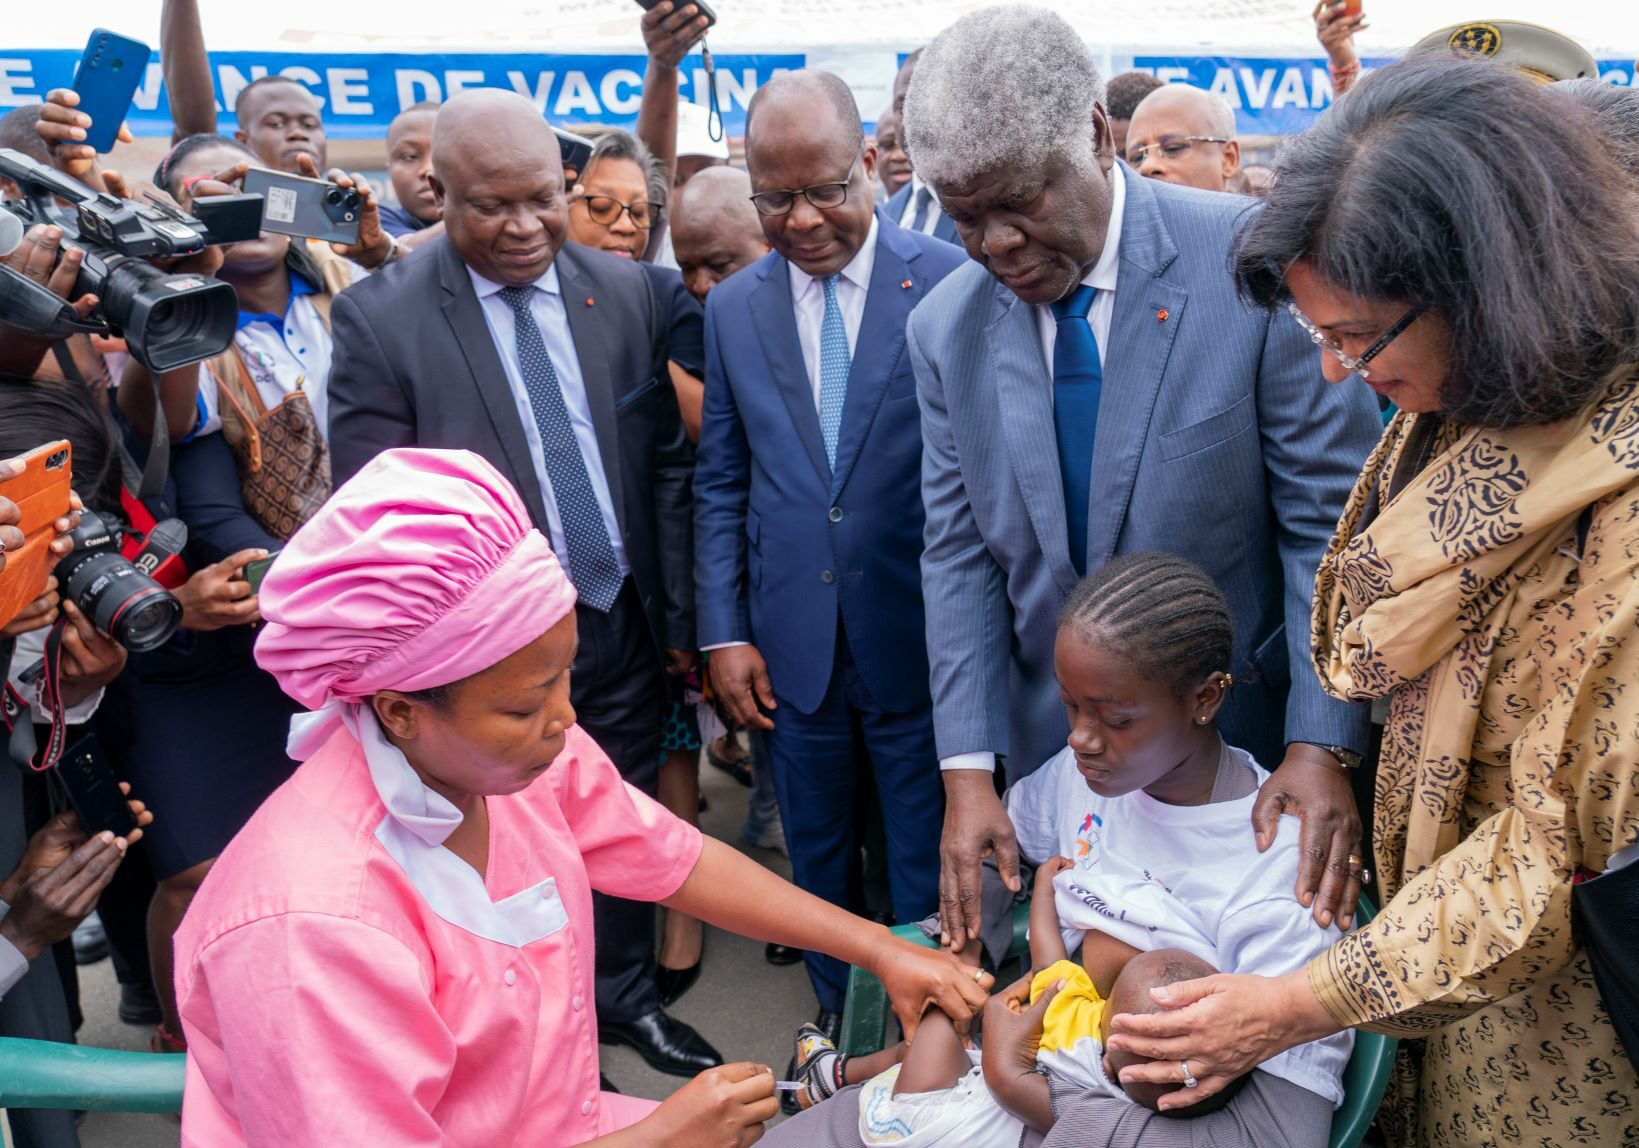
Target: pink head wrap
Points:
x,y
421,570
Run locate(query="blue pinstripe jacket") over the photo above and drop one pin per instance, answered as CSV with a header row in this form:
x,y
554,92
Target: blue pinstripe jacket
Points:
x,y
1217,440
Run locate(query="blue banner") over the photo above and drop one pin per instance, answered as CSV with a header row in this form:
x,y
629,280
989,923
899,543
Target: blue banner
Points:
x,y
362,93
1282,96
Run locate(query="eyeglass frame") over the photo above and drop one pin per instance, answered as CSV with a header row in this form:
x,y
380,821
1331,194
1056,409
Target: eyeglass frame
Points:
x,y
657,211
1356,364
1143,151
804,192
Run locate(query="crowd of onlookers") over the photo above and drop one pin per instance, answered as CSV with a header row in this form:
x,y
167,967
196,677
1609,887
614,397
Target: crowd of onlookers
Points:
x,y
961,490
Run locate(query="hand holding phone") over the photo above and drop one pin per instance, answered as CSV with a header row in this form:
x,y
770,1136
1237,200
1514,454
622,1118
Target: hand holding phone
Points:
x,y
40,492
672,28
111,71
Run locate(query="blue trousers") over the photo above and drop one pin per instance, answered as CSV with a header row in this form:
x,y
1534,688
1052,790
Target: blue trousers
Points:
x,y
819,762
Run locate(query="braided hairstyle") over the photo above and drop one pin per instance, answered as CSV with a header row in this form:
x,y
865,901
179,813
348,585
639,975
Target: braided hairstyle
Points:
x,y
165,175
1159,612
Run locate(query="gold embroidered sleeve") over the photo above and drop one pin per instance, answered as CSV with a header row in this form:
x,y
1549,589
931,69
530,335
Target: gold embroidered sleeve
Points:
x,y
1493,915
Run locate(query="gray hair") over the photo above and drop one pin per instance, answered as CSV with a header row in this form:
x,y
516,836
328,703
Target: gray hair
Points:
x,y
1007,86
613,143
1615,113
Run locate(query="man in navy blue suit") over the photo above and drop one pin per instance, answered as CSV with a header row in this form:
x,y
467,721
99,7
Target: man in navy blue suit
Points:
x,y
808,510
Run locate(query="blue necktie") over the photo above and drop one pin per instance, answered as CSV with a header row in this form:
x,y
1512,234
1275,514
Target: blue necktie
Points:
x,y
1077,380
835,362
593,567
924,199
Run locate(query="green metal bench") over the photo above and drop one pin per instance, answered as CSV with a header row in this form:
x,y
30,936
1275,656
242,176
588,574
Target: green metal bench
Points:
x,y
865,1021
44,1074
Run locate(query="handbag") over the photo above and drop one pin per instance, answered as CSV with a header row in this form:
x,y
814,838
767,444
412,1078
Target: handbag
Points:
x,y
284,462
1605,916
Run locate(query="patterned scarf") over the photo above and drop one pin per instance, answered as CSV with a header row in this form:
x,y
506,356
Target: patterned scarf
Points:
x,y
1425,597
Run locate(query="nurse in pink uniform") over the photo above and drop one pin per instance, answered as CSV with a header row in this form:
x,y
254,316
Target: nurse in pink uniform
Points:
x,y
397,949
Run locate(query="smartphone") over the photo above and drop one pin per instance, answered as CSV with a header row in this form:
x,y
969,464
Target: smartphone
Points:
x,y
41,492
306,208
255,571
93,790
705,9
574,150
110,73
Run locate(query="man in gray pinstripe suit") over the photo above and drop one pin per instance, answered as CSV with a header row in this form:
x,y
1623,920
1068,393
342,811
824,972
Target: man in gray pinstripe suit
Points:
x,y
1212,434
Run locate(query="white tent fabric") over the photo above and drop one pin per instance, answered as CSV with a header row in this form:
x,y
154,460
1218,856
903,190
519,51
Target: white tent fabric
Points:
x,y
1608,28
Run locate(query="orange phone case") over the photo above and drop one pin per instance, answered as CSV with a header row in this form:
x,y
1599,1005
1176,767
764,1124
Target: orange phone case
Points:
x,y
41,492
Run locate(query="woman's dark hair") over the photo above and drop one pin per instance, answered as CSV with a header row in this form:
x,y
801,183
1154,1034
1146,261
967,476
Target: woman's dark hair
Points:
x,y
165,175
1615,114
1159,612
34,412
1463,186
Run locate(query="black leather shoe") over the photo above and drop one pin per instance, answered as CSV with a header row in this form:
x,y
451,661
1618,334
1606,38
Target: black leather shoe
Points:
x,y
139,1005
830,1023
673,983
664,1042
781,954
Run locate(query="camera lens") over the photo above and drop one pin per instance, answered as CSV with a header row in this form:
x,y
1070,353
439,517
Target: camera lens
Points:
x,y
352,201
168,320
120,600
333,196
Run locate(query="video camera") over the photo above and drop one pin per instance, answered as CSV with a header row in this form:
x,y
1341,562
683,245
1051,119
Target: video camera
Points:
x,y
167,320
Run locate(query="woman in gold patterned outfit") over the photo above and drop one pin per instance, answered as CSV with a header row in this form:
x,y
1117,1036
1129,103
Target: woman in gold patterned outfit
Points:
x,y
1464,243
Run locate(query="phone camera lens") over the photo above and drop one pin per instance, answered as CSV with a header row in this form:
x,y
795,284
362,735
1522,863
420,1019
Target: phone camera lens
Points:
x,y
352,201
333,196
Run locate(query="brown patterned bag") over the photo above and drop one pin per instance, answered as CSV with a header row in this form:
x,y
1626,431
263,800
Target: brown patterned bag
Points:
x,y
284,462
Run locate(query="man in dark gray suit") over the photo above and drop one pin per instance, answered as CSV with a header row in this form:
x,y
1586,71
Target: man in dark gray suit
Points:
x,y
550,361
1091,385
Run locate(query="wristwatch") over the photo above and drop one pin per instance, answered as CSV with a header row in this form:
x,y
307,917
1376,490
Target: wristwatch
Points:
x,y
1347,757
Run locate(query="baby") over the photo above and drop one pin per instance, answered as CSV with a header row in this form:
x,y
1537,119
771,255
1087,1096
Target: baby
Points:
x,y
1148,866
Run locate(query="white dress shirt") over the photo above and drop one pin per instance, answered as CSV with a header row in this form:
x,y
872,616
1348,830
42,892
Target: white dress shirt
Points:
x,y
808,301
1102,277
908,216
553,320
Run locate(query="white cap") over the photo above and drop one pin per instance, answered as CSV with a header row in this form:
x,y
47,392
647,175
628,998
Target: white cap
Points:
x,y
693,138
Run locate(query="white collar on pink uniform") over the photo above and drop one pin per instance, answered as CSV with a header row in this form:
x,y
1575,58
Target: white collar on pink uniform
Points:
x,y
417,823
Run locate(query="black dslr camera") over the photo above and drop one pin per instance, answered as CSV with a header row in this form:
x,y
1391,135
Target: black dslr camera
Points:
x,y
167,320
118,593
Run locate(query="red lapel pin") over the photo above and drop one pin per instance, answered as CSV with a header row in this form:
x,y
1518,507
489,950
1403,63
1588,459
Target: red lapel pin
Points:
x,y
1160,316
589,301
906,284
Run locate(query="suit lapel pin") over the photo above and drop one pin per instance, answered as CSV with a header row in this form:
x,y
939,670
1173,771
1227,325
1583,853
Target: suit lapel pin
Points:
x,y
1160,316
906,284
590,301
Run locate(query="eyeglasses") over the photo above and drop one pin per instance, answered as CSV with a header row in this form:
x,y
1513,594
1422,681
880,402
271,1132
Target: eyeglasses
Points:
x,y
1170,147
1356,363
605,210
824,196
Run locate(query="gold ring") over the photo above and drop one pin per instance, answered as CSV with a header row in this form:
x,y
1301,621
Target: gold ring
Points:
x,y
978,976
1354,861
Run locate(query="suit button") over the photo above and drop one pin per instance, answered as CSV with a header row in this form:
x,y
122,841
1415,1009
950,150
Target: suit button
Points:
x,y
836,514
827,577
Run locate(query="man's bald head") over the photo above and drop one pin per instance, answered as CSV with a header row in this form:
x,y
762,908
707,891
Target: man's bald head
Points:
x,y
803,131
1185,121
715,229
499,184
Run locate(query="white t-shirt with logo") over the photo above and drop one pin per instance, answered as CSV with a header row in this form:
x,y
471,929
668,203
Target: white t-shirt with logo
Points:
x,y
1180,876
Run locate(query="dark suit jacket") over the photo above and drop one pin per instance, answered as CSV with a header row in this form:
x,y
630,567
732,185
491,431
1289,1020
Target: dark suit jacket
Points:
x,y
944,229
415,365
783,543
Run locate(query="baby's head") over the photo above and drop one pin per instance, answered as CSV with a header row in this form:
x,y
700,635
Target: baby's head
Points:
x,y
1131,994
1142,658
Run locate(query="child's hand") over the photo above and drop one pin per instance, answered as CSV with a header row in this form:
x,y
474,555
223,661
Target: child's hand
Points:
x,y
1051,868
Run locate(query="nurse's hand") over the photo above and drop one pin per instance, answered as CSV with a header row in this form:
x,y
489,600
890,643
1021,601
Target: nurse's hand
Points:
x,y
917,978
723,1107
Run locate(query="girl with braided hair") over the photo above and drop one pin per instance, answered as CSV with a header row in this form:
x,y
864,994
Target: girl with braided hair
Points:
x,y
1148,873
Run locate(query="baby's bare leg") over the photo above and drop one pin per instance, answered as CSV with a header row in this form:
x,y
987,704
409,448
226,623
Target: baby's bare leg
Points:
x,y
936,1059
859,1069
